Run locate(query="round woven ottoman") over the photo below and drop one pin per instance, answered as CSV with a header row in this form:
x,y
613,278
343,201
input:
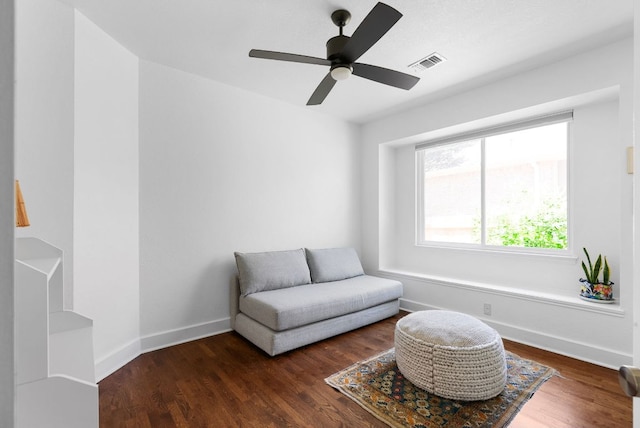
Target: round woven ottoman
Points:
x,y
451,355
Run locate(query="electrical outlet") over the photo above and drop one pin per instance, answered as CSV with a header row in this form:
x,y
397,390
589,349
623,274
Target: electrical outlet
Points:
x,y
487,309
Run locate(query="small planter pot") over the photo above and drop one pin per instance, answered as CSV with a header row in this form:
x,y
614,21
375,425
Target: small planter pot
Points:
x,y
596,291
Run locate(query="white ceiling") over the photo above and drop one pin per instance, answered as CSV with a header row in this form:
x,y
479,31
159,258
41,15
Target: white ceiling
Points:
x,y
483,40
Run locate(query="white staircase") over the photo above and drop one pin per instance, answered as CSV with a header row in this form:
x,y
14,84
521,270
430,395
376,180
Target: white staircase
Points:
x,y
54,347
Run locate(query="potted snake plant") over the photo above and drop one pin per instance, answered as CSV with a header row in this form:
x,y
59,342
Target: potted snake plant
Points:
x,y
591,286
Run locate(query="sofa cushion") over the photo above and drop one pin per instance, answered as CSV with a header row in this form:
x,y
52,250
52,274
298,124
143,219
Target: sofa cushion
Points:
x,y
294,307
271,270
333,264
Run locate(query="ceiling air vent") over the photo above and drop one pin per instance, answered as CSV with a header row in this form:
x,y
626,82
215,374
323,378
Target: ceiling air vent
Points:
x,y
429,61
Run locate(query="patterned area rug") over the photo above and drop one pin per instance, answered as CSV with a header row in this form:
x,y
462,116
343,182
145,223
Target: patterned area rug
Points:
x,y
378,386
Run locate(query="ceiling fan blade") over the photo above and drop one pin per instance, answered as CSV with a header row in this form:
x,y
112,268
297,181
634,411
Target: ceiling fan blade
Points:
x,y
322,90
375,25
385,76
282,56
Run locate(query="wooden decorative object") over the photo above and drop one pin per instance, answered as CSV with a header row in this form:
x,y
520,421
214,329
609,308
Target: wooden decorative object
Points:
x,y
22,220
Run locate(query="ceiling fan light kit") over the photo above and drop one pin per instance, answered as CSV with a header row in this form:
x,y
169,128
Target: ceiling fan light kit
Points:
x,y
341,72
343,52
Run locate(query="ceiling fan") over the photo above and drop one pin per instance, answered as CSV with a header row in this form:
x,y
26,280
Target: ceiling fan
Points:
x,y
343,51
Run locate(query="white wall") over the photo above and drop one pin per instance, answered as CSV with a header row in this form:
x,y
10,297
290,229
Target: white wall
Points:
x,y
636,205
44,124
149,231
7,222
534,299
224,170
106,233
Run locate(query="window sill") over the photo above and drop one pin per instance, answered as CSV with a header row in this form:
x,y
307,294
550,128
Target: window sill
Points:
x,y
572,302
554,256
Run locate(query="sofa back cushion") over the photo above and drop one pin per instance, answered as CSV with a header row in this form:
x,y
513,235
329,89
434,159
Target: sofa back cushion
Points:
x,y
271,270
333,264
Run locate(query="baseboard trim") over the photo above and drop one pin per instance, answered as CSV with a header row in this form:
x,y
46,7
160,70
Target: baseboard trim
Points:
x,y
128,352
559,345
177,336
118,358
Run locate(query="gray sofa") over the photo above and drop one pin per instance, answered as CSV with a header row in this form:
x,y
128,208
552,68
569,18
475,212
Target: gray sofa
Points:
x,y
287,299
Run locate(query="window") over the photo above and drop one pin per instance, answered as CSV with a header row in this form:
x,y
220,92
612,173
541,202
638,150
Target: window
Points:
x,y
500,187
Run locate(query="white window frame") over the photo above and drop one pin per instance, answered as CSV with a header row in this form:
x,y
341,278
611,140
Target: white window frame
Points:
x,y
560,117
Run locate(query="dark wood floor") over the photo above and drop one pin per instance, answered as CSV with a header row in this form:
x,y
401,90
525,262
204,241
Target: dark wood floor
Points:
x,y
224,381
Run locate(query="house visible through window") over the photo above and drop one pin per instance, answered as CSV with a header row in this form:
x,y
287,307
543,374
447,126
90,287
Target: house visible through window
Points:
x,y
500,187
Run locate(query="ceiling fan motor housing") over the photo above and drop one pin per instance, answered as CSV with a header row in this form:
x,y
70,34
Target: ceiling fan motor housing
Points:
x,y
334,49
340,66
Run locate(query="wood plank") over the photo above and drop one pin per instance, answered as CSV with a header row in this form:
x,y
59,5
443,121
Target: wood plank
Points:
x,y
225,381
